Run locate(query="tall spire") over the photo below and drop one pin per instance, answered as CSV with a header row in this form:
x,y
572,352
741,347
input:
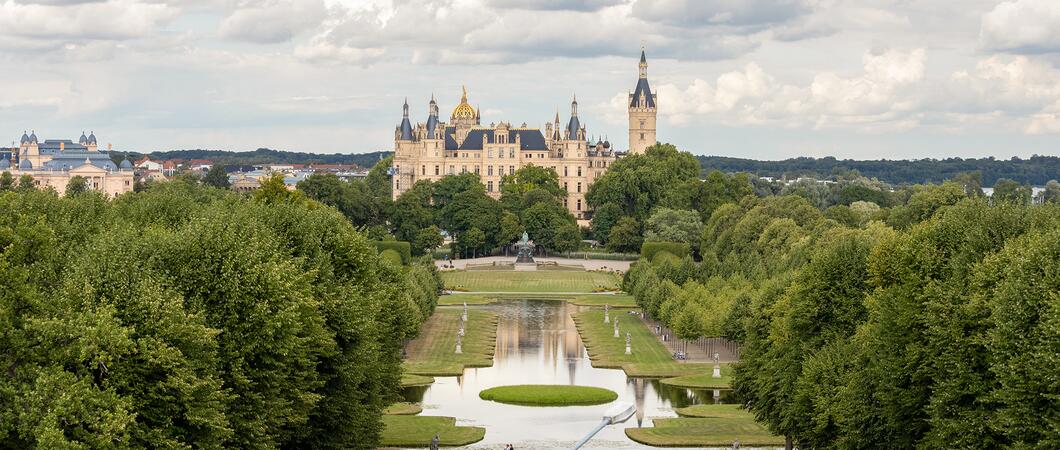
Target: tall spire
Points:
x,y
405,109
643,64
574,106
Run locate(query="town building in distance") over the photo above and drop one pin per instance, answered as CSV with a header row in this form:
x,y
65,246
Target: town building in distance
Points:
x,y
432,150
53,162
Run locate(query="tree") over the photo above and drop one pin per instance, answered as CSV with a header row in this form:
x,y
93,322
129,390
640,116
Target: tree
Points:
x,y
637,183
378,179
26,182
7,181
77,185
605,217
274,190
625,236
1051,194
474,240
1006,190
426,239
530,178
511,229
673,225
217,177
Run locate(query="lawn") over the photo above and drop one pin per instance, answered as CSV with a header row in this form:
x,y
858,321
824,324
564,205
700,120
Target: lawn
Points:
x,y
408,379
417,431
615,300
403,409
703,381
548,395
712,426
434,351
536,281
649,359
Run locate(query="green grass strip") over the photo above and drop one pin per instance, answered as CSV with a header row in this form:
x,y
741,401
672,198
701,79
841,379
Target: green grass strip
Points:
x,y
714,426
434,351
408,379
649,357
417,431
548,395
536,281
403,409
703,381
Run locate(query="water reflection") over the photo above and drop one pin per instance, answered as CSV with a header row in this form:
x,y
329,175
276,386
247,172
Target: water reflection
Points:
x,y
537,343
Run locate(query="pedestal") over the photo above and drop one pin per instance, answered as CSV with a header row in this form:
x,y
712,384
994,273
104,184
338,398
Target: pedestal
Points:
x,y
616,331
717,371
458,349
628,350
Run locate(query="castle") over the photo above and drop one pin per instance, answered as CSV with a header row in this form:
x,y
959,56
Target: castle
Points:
x,y
432,150
53,162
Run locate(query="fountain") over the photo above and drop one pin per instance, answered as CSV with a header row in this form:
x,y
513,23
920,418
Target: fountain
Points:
x,y
525,258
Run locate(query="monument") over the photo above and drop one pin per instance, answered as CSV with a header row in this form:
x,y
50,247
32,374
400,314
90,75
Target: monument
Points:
x,y
629,351
616,326
459,346
607,313
524,260
717,366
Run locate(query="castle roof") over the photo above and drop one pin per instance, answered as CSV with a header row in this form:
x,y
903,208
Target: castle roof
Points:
x,y
642,88
529,139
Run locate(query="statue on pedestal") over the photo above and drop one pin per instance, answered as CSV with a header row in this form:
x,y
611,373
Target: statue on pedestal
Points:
x,y
629,351
616,326
607,313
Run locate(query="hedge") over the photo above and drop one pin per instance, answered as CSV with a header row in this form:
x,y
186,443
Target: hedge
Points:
x,y
402,248
649,249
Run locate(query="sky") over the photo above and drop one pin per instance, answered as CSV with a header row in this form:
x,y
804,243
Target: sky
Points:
x,y
762,79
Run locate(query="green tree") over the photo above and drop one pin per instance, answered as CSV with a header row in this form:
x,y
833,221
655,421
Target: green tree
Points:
x,y
274,190
474,240
1006,190
426,239
637,183
378,179
673,225
511,229
216,177
625,236
1051,194
7,181
605,217
26,182
77,185
525,180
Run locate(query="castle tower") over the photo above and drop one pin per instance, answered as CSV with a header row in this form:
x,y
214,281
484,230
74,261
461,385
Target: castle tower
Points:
x,y
642,112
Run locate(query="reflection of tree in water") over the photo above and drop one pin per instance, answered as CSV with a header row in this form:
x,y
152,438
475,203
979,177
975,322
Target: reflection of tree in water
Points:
x,y
414,394
679,397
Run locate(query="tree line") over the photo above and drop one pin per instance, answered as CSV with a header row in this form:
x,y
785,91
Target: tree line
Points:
x,y
185,316
918,316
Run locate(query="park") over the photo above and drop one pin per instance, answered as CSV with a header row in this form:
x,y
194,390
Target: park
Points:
x,y
554,346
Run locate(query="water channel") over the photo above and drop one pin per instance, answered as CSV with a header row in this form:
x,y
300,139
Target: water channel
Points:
x,y
537,343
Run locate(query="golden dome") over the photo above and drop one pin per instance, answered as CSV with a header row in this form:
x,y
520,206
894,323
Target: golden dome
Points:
x,y
464,110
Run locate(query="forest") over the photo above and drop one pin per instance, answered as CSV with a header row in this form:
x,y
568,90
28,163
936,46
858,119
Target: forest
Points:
x,y
1036,170
185,316
923,317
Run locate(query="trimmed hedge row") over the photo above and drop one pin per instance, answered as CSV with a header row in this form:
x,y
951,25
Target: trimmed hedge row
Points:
x,y
678,249
402,248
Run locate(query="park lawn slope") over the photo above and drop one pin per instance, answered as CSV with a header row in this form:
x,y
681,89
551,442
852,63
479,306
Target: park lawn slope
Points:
x,y
649,359
417,431
531,282
548,395
408,379
403,409
711,426
433,352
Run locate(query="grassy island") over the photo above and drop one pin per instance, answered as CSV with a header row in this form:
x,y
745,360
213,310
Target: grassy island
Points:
x,y
703,381
434,351
706,426
548,395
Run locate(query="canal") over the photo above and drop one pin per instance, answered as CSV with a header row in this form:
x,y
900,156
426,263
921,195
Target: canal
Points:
x,y
537,343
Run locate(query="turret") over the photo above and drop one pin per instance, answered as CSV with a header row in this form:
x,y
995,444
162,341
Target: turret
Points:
x,y
432,119
574,125
405,128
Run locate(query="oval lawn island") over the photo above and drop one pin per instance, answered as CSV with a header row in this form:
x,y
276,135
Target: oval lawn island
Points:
x,y
548,395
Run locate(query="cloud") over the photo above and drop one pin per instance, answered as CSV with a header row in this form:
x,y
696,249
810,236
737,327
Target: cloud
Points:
x,y
720,12
555,5
110,20
1022,26
272,21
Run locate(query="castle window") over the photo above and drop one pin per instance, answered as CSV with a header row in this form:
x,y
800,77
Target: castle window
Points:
x,y
436,170
529,155
511,170
642,124
579,171
491,153
579,204
463,169
476,169
564,170
511,152
541,155
579,188
452,169
423,170
489,186
565,187
500,154
642,136
565,203
489,170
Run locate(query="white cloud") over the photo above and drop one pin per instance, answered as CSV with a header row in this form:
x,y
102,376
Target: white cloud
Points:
x,y
110,20
272,21
1022,26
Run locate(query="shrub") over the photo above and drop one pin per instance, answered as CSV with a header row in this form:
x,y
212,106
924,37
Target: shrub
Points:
x,y
391,255
402,248
649,249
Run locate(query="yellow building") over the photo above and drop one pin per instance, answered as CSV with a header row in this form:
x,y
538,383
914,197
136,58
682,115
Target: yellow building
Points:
x,y
432,150
54,162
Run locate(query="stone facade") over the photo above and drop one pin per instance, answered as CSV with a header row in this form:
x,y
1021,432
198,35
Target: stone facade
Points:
x,y
52,163
432,150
